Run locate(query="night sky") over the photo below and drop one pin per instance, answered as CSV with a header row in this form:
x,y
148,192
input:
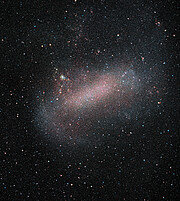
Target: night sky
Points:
x,y
89,106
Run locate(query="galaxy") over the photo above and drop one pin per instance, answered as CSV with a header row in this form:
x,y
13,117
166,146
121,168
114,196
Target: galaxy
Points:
x,y
89,100
87,97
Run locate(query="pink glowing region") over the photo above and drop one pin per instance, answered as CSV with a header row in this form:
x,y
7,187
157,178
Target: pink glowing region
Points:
x,y
95,92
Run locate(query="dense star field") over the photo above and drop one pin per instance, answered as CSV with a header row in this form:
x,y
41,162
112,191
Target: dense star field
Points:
x,y
89,102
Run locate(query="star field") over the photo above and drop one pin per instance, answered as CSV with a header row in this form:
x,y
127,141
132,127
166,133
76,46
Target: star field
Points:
x,y
89,102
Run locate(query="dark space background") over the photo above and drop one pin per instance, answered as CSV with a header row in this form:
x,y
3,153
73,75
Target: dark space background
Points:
x,y
137,159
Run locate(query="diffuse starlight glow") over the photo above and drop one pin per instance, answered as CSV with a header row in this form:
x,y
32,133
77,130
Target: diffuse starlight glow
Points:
x,y
96,92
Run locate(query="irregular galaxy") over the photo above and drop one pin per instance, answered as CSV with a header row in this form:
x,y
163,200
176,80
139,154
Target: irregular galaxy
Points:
x,y
89,106
80,100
